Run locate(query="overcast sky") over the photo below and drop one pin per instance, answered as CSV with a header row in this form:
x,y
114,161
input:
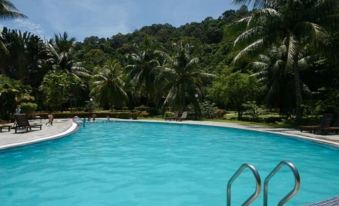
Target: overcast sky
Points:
x,y
104,18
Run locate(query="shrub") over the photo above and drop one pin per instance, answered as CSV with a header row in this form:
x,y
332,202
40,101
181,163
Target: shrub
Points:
x,y
119,115
169,115
252,109
28,107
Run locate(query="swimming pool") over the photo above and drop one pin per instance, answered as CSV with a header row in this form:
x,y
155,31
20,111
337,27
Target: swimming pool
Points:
x,y
134,163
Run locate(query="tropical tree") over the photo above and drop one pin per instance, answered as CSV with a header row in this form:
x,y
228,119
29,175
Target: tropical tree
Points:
x,y
270,69
26,58
57,89
12,92
183,79
293,23
142,70
108,85
233,90
61,50
63,43
8,11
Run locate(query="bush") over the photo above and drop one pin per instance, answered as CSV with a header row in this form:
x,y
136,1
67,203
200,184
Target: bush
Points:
x,y
119,115
169,115
142,108
28,107
253,110
208,109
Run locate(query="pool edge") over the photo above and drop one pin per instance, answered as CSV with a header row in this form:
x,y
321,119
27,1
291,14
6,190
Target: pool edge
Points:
x,y
72,129
242,127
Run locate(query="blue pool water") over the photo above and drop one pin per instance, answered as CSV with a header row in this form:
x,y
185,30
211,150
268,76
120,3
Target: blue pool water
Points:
x,y
151,164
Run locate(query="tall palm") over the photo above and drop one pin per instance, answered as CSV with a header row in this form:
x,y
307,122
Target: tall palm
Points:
x,y
108,85
61,50
8,11
183,78
142,70
271,70
63,43
295,23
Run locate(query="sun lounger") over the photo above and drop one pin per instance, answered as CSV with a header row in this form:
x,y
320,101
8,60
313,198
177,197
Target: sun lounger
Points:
x,y
324,123
183,116
7,127
334,127
21,122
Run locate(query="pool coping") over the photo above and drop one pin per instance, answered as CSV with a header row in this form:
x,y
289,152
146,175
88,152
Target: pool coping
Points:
x,y
72,129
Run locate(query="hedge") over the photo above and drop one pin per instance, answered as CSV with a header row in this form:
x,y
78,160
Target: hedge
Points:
x,y
119,115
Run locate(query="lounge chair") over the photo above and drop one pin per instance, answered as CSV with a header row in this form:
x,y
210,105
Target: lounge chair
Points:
x,y
183,116
334,127
21,122
8,127
324,123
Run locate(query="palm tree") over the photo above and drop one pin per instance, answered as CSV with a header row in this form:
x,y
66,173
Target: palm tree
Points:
x,y
142,70
295,23
61,50
270,69
8,11
183,79
108,85
63,43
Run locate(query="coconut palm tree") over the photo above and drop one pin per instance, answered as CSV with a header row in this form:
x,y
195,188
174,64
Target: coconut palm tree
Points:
x,y
63,43
8,11
61,50
296,23
108,85
183,79
142,70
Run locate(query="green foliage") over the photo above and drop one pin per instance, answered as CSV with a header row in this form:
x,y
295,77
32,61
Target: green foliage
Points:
x,y
184,79
283,55
57,87
208,109
235,89
108,85
289,23
12,92
28,107
252,109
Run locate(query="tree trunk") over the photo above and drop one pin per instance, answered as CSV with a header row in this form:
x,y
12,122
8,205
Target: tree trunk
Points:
x,y
298,89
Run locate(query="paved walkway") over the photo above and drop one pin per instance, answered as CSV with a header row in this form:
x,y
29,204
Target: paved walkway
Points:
x,y
60,128
325,139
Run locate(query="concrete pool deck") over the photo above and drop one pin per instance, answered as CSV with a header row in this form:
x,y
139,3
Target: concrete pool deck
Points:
x,y
60,128
63,127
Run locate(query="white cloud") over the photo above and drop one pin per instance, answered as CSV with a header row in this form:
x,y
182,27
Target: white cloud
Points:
x,y
87,17
28,25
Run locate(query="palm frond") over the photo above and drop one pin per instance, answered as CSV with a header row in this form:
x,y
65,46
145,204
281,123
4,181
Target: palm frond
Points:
x,y
249,34
249,49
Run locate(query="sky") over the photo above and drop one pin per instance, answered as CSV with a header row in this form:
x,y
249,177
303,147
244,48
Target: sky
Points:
x,y
104,18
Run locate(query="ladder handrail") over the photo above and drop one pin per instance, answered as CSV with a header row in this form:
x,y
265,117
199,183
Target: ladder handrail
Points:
x,y
295,189
255,195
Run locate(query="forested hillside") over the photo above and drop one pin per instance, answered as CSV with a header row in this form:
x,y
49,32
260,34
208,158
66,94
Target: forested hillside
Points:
x,y
274,58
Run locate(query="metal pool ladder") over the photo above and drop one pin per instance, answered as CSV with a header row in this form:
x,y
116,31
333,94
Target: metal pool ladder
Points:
x,y
254,195
295,189
257,191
